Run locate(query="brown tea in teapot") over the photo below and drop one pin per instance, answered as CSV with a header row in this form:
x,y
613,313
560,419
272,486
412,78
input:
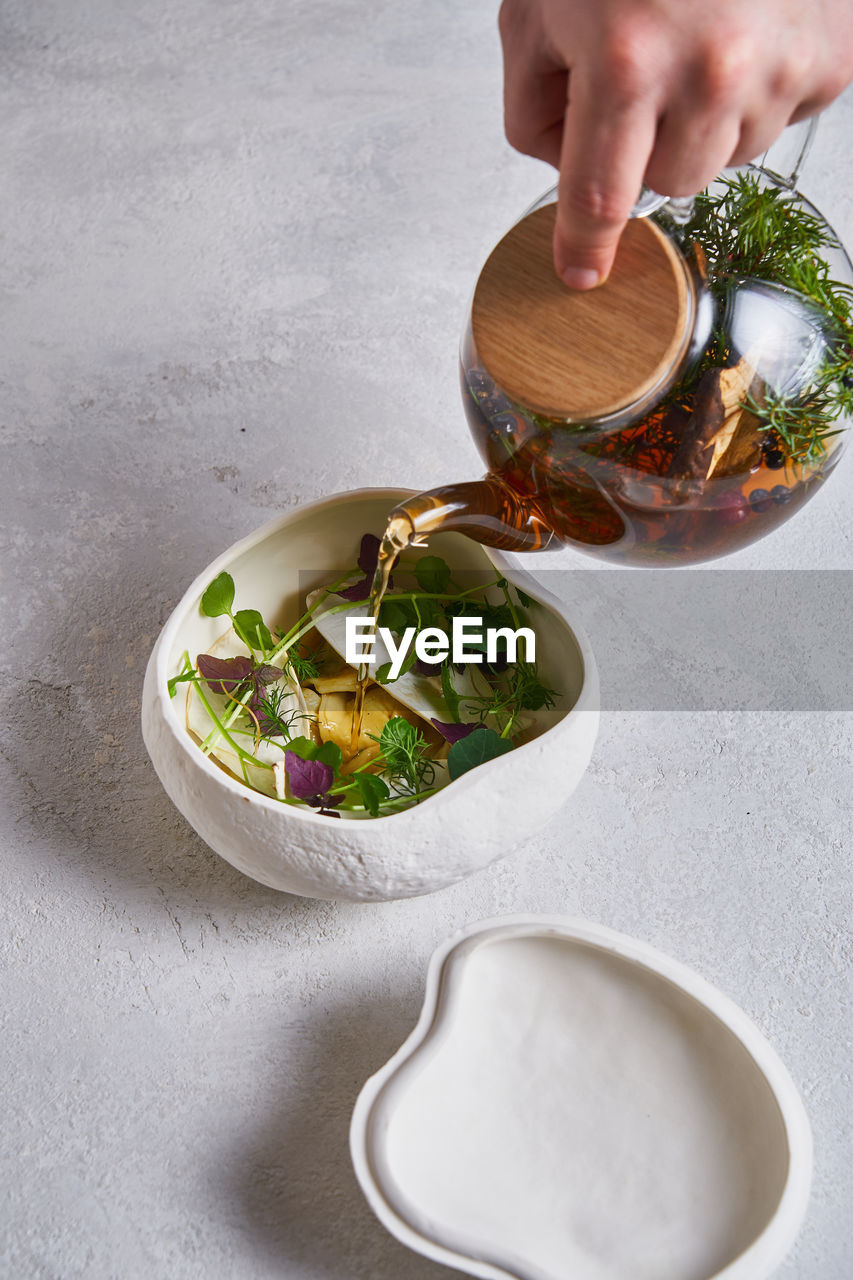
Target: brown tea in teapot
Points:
x,y
686,408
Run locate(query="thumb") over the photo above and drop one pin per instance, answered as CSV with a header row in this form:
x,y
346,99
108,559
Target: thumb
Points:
x,y
602,161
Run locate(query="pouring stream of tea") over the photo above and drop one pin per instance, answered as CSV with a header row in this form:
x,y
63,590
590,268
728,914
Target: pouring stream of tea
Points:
x,y
488,510
398,535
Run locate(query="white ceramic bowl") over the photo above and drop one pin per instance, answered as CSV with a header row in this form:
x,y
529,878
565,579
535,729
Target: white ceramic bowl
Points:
x,y
575,1105
478,818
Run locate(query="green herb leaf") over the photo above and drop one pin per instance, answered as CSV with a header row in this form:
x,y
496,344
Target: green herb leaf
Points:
x,y
523,600
329,753
219,596
252,629
383,672
499,615
372,790
451,697
176,680
397,615
303,747
475,750
432,573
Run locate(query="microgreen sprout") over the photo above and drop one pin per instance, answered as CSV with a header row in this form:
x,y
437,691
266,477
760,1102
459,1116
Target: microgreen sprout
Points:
x,y
248,623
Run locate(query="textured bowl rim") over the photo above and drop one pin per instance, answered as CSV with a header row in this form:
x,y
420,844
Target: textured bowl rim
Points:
x,y
586,702
768,1248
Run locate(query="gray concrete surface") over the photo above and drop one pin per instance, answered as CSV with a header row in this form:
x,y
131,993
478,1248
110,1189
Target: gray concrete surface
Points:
x,y
237,245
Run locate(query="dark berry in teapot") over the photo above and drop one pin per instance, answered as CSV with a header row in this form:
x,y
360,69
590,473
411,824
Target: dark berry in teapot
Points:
x,y
760,500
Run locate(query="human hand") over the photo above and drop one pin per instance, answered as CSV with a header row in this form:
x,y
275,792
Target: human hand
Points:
x,y
615,93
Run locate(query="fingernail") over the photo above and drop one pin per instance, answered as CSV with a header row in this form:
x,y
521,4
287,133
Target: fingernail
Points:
x,y
580,278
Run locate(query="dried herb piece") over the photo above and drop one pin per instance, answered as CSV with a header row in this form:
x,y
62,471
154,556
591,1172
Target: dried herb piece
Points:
x,y
721,436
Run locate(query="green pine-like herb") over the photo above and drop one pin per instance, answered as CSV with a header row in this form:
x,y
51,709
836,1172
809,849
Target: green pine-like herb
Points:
x,y
405,752
272,718
304,669
748,229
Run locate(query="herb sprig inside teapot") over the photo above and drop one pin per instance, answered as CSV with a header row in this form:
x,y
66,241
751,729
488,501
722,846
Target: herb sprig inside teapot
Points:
x,y
749,229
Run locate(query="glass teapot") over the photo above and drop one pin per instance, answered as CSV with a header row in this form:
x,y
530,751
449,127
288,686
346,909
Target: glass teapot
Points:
x,y
680,411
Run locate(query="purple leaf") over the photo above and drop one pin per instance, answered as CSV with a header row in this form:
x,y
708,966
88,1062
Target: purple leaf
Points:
x,y
368,556
267,674
224,675
323,805
455,732
308,778
358,591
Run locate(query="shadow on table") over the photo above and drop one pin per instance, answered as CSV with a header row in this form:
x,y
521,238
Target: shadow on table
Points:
x,y
77,772
294,1183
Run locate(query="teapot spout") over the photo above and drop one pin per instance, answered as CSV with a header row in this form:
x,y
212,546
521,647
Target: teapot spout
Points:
x,y
487,510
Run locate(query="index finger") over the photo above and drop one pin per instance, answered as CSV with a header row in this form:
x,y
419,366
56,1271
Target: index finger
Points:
x,y
605,150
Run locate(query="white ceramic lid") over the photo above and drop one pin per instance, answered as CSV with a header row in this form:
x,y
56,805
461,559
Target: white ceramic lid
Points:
x,y
575,1105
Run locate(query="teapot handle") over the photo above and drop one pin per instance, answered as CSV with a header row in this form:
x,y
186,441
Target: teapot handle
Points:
x,y
784,160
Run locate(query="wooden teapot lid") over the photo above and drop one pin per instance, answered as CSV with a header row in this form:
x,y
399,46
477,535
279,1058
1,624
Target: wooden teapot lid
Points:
x,y
575,355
